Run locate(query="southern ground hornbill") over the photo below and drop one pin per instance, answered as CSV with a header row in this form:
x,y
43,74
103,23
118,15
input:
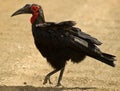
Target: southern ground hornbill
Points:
x,y
60,42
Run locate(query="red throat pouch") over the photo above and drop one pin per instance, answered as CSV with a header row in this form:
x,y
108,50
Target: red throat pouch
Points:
x,y
34,17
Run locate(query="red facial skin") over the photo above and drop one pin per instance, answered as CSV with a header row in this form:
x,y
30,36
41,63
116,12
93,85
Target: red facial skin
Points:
x,y
35,13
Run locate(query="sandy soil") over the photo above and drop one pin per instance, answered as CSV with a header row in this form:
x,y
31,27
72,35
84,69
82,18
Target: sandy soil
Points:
x,y
22,68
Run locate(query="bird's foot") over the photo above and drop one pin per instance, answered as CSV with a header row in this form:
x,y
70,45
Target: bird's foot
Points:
x,y
47,78
59,85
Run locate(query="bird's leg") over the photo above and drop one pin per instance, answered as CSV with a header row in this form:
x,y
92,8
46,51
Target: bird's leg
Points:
x,y
47,77
60,77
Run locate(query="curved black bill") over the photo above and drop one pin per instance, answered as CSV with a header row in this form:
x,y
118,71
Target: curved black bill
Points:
x,y
25,10
20,11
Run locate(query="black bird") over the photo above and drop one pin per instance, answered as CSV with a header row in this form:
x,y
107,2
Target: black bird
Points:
x,y
60,42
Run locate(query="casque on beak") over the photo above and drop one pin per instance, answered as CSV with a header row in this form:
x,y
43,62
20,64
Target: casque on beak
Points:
x,y
25,10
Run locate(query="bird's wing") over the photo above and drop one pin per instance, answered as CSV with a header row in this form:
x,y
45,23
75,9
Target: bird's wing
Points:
x,y
64,34
55,33
73,30
77,32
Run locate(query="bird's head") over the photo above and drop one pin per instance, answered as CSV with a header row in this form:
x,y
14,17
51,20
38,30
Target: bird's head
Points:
x,y
35,10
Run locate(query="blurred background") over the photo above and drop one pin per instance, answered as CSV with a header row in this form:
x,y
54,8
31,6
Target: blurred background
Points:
x,y
21,64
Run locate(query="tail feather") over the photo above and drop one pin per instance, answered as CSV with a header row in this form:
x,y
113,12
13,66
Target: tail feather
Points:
x,y
107,59
108,55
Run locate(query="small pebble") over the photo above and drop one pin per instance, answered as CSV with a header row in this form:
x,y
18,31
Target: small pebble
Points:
x,y
25,83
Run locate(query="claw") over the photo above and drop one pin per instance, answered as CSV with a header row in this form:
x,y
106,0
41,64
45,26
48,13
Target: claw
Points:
x,y
45,81
59,85
47,78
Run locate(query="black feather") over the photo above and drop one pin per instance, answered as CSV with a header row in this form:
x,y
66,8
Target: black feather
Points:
x,y
62,41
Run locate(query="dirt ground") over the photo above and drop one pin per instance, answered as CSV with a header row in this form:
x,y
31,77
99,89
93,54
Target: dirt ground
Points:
x,y
22,68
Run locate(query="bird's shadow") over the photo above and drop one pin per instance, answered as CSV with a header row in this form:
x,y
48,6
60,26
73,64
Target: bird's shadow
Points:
x,y
32,88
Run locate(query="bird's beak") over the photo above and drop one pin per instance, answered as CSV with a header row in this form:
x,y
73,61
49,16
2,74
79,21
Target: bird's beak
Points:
x,y
24,10
20,11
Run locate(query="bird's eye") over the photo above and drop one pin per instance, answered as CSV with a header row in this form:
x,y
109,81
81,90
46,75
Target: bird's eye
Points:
x,y
35,8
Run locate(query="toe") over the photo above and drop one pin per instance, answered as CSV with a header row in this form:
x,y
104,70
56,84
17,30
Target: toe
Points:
x,y
45,81
59,85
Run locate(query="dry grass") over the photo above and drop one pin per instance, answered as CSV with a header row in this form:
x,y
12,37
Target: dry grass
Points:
x,y
21,63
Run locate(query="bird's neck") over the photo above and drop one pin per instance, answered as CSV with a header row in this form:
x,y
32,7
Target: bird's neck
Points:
x,y
37,18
